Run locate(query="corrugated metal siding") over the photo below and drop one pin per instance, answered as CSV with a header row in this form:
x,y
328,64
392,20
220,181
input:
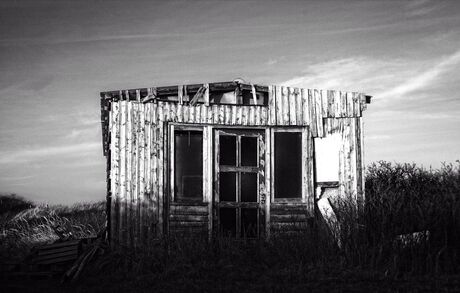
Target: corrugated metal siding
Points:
x,y
138,157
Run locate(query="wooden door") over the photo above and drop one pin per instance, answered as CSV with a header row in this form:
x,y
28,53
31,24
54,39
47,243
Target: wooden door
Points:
x,y
239,207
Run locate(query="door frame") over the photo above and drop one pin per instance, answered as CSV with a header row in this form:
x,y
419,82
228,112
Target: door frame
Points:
x,y
260,203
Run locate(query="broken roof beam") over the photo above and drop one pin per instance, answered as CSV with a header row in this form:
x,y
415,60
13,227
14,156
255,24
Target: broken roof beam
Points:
x,y
191,88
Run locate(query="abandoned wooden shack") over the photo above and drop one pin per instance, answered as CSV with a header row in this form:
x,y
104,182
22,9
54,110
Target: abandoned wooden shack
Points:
x,y
228,158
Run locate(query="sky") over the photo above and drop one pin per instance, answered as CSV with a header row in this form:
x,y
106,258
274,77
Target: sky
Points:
x,y
56,56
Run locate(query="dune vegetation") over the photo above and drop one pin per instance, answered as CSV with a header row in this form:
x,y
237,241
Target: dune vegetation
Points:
x,y
377,243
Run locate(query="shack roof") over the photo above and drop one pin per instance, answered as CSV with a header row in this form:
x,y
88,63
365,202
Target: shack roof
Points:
x,y
252,95
131,94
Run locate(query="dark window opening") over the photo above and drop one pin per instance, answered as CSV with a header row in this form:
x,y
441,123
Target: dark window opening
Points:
x,y
227,222
227,150
248,187
288,165
248,151
188,164
227,186
248,98
248,223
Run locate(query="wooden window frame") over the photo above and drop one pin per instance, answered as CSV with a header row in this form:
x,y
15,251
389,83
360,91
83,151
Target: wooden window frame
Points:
x,y
172,148
305,133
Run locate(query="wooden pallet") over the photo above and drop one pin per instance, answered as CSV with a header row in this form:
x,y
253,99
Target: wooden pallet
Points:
x,y
56,253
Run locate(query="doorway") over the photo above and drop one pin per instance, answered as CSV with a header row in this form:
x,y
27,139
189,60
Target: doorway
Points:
x,y
238,176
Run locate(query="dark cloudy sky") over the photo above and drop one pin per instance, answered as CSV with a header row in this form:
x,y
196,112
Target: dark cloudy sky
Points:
x,y
56,56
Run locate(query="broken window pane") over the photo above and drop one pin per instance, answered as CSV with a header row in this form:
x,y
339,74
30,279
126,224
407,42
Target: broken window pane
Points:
x,y
228,222
248,151
248,222
227,186
288,165
227,150
188,164
248,187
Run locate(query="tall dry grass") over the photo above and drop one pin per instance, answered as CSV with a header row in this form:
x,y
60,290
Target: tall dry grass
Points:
x,y
400,198
21,230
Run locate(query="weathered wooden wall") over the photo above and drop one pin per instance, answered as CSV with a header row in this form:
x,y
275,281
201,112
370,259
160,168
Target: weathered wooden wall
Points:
x,y
136,138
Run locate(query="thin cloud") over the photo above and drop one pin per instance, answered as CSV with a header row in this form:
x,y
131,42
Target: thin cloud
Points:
x,y
419,8
384,79
424,79
29,155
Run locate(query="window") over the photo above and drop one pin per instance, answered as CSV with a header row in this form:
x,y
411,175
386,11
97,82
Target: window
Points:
x,y
288,165
188,164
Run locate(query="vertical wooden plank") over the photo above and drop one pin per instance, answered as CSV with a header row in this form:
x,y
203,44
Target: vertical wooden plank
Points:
x,y
311,173
362,101
161,168
337,104
148,183
285,101
160,111
129,183
279,106
356,109
234,110
349,98
167,111
330,104
172,112
142,163
171,162
257,118
180,94
228,115
207,175
221,119
134,174
197,114
245,115
264,116
122,208
352,163
239,115
114,172
324,104
191,114
210,117
154,113
305,165
136,180
272,105
206,94
252,115
343,104
186,113
306,115
179,113
298,107
215,114
312,112
291,97
155,191
268,180
204,114
319,113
